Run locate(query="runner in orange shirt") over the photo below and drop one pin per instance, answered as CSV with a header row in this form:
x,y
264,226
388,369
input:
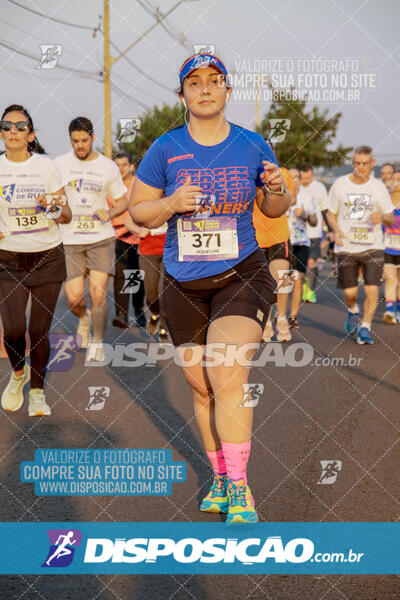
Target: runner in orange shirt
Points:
x,y
273,237
126,256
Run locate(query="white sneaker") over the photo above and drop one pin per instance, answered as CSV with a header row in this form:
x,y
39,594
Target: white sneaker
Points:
x,y
283,331
84,329
390,317
37,404
13,396
95,352
268,332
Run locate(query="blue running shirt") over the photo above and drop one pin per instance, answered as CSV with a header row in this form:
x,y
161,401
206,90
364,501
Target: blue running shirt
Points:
x,y
229,171
391,235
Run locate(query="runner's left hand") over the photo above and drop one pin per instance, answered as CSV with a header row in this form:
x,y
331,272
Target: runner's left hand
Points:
x,y
271,176
41,200
375,218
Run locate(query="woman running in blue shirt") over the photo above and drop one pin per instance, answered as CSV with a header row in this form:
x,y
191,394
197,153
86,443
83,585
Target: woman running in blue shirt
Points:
x,y
203,178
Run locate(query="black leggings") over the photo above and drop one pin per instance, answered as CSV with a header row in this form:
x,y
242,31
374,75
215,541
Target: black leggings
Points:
x,y
126,258
152,265
13,301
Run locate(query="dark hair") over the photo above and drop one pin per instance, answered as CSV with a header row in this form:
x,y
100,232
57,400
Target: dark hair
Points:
x,y
305,167
32,146
81,124
363,150
389,165
124,155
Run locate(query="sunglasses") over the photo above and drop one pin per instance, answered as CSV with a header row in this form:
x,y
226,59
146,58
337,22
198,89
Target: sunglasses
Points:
x,y
19,125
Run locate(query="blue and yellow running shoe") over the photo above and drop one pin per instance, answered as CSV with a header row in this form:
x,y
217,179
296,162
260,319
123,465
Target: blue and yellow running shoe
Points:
x,y
216,500
241,503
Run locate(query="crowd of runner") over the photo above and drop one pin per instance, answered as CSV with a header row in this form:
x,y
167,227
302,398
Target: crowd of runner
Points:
x,y
217,241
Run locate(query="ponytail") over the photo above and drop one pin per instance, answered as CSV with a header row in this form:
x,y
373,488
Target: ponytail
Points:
x,y
33,147
36,147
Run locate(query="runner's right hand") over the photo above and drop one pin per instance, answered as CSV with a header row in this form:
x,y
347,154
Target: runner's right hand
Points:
x,y
338,237
184,198
103,215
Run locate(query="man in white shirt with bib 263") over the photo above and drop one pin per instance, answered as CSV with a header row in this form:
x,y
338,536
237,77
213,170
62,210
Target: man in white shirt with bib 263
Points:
x,y
89,240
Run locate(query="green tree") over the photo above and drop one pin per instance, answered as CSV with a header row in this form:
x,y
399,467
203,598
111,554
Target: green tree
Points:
x,y
310,137
153,123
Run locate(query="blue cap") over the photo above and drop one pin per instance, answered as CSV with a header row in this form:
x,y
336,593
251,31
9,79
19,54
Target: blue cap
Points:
x,y
201,61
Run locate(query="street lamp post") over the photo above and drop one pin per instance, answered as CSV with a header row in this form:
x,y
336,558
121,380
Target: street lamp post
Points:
x,y
110,60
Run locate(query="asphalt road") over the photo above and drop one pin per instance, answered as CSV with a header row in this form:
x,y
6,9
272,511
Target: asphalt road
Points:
x,y
306,414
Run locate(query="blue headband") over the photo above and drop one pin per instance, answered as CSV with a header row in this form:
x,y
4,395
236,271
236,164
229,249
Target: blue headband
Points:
x,y
201,61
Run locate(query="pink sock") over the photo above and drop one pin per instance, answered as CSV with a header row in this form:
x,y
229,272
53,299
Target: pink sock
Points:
x,y
236,457
217,461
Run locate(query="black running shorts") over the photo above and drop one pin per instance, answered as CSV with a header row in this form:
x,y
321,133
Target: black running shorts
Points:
x,y
301,255
315,248
283,250
248,290
392,259
33,268
370,263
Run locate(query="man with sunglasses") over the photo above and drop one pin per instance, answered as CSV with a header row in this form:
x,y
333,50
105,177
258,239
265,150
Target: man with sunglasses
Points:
x,y
89,240
358,206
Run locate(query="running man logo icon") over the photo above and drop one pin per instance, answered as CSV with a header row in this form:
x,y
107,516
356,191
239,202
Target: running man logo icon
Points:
x,y
330,470
7,192
251,394
62,351
286,279
128,130
50,54
133,279
97,397
76,184
198,225
63,543
203,48
357,204
279,129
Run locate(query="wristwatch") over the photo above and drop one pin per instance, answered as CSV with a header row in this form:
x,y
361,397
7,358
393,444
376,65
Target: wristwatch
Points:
x,y
281,192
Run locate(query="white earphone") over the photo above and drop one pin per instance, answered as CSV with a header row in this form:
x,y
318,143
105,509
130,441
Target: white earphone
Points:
x,y
184,102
